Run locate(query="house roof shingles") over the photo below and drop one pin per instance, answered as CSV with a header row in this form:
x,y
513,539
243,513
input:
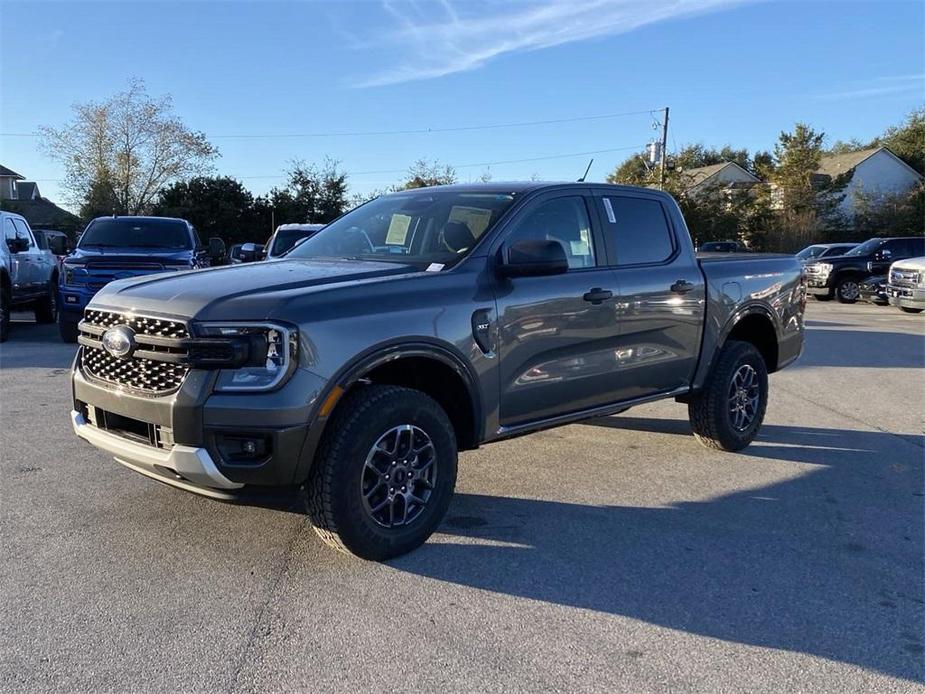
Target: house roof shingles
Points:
x,y
9,172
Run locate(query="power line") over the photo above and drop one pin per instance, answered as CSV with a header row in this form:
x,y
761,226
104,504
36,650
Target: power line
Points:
x,y
417,131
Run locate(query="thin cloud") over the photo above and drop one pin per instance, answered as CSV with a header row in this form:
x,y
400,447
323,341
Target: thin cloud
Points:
x,y
882,86
466,36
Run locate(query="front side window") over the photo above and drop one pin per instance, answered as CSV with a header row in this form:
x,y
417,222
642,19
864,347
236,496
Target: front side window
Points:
x,y
420,228
564,220
639,229
22,232
9,231
167,234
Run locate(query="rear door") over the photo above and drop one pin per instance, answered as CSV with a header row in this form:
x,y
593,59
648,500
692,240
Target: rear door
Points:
x,y
557,333
662,293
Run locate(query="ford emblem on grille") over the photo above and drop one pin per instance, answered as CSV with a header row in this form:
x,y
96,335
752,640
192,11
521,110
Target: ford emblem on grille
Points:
x,y
119,341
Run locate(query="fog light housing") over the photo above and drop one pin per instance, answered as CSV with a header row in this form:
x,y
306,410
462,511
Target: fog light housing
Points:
x,y
244,448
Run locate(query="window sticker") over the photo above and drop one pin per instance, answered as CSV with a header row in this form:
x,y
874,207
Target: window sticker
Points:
x,y
434,267
398,230
611,217
475,218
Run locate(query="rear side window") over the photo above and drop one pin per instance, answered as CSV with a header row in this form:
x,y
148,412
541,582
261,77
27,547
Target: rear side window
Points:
x,y
638,229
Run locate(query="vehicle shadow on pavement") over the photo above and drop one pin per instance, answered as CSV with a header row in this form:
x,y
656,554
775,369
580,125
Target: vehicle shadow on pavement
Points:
x,y
868,348
828,563
33,345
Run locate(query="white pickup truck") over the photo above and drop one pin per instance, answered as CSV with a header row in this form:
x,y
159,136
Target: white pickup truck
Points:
x,y
28,274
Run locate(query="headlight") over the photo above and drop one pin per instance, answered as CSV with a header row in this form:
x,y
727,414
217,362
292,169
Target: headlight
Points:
x,y
69,271
824,268
272,352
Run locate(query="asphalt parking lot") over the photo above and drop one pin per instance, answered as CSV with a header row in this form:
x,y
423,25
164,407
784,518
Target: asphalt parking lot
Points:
x,y
617,555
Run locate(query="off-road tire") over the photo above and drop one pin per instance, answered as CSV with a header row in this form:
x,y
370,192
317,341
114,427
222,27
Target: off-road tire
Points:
x,y
840,287
4,311
46,308
910,309
332,492
709,410
67,329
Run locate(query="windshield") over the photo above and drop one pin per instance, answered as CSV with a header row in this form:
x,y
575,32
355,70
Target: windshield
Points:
x,y
865,248
137,233
811,252
415,227
286,239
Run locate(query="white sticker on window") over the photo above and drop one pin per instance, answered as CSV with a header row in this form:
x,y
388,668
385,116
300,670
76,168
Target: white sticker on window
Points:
x,y
611,217
434,267
398,230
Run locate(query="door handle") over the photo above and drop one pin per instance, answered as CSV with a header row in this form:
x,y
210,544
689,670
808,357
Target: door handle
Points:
x,y
598,295
681,287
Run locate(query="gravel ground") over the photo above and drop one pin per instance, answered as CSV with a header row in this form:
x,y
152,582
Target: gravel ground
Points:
x,y
617,555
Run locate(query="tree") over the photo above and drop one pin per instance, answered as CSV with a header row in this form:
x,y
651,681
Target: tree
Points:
x,y
312,194
100,200
219,206
907,141
423,173
126,149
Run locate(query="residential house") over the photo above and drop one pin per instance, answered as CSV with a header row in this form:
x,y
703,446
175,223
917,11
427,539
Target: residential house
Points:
x,y
23,197
871,174
726,177
8,181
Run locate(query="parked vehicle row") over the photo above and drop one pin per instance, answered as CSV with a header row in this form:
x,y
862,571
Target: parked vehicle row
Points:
x,y
841,276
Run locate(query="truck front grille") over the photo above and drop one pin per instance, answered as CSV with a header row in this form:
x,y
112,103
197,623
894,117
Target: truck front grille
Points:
x,y
904,278
153,367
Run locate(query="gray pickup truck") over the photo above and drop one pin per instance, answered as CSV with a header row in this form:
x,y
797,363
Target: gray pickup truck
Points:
x,y
424,323
28,273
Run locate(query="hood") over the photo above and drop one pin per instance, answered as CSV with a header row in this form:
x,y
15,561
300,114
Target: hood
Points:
x,y
249,291
91,255
909,264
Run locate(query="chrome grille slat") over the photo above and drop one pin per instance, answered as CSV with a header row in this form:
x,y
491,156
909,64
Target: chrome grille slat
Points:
x,y
147,375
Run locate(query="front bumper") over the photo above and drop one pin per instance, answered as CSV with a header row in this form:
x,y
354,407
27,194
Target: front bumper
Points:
x,y
73,299
908,297
186,467
183,438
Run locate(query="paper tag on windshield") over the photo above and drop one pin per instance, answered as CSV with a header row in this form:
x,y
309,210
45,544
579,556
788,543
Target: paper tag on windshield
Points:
x,y
434,267
475,218
398,230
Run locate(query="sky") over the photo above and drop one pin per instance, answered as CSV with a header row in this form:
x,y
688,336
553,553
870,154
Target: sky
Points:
x,y
271,82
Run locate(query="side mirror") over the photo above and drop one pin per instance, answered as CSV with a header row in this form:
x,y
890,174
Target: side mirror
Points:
x,y
248,252
884,254
18,244
533,259
261,251
216,250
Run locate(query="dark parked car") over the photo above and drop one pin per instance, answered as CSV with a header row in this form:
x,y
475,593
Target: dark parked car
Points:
x,y
424,323
722,247
873,290
841,276
288,235
824,250
114,248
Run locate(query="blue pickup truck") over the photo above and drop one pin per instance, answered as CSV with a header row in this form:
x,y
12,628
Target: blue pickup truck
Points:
x,y
115,248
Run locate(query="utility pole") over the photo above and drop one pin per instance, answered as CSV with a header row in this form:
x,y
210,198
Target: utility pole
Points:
x,y
664,152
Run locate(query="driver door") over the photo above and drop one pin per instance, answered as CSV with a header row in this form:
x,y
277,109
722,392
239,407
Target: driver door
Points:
x,y
557,333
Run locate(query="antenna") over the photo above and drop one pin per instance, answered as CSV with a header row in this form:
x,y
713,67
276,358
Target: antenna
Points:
x,y
585,174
